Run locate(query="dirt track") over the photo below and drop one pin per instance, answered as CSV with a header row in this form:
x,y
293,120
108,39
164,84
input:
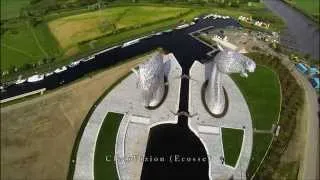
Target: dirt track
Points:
x,y
309,165
37,136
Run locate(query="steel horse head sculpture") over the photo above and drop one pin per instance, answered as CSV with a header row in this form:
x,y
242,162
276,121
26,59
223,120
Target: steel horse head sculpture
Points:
x,y
225,62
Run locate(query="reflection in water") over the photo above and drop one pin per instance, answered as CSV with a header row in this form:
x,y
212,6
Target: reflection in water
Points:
x,y
172,144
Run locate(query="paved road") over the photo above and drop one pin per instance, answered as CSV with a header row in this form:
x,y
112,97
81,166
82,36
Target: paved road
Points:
x,y
310,167
303,35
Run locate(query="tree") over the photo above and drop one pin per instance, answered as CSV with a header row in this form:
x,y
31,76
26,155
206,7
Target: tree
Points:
x,y
27,66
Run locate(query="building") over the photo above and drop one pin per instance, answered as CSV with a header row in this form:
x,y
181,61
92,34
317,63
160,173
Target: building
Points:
x,y
315,82
313,71
302,68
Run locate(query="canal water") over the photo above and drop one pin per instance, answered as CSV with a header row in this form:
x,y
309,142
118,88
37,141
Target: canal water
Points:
x,y
185,48
169,141
184,156
301,33
176,143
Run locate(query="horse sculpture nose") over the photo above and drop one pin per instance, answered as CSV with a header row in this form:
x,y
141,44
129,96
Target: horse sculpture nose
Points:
x,y
251,66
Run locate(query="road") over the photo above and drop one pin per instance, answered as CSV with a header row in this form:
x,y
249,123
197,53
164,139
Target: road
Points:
x,y
310,162
304,36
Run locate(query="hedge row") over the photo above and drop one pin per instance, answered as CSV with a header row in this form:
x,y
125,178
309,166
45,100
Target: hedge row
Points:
x,y
120,30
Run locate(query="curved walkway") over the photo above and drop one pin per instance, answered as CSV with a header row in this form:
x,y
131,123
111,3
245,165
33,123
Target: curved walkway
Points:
x,y
237,117
133,132
310,162
134,128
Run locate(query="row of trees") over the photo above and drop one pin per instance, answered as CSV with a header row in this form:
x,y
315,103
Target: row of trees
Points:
x,y
28,66
292,101
38,8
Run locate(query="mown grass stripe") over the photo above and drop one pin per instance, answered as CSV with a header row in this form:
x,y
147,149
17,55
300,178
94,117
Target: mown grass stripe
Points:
x,y
104,166
232,143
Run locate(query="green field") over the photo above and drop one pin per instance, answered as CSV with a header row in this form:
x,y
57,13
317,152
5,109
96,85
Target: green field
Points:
x,y
262,93
309,7
65,35
26,44
105,146
11,8
260,145
232,143
71,30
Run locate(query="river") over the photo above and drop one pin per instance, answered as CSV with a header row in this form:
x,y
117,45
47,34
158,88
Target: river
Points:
x,y
301,33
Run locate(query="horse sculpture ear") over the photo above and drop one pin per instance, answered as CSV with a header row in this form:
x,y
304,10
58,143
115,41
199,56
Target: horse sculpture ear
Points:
x,y
220,47
135,71
137,75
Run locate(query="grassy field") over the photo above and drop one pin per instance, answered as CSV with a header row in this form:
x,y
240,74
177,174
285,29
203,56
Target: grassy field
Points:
x,y
77,28
232,143
11,8
310,7
26,44
23,44
105,146
260,145
79,32
262,93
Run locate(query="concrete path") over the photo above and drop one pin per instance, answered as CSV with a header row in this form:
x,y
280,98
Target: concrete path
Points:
x,y
237,117
310,167
134,128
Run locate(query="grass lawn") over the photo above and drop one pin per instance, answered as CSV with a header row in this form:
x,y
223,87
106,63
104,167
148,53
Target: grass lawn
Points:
x,y
69,27
310,7
26,44
71,30
232,143
134,33
105,146
260,146
11,8
262,93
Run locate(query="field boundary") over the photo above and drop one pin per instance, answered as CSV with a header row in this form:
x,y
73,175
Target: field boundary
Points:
x,y
37,40
305,14
86,119
66,60
16,50
41,91
83,125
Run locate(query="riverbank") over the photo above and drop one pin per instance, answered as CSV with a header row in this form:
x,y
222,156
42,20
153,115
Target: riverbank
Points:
x,y
309,8
300,29
38,53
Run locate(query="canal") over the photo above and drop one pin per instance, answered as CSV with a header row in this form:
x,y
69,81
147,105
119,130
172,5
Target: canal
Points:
x,y
184,154
301,33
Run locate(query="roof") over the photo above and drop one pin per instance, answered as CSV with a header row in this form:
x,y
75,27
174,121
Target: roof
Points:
x,y
316,79
315,82
302,67
313,70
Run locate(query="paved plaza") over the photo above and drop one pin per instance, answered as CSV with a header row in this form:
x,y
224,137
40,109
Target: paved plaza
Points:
x,y
208,128
134,128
